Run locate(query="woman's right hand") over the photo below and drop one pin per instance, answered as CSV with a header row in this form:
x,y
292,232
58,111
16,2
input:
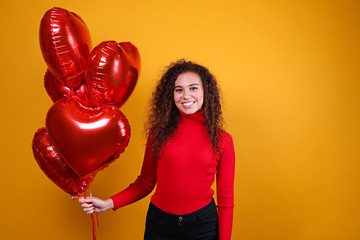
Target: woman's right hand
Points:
x,y
91,205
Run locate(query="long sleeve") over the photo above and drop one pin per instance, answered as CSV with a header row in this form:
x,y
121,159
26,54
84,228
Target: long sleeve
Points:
x,y
225,187
143,185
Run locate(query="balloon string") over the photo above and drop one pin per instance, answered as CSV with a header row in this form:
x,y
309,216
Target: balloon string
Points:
x,y
93,227
94,221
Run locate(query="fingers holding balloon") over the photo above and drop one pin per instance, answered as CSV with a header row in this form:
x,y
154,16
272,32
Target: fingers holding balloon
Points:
x,y
88,208
92,204
87,205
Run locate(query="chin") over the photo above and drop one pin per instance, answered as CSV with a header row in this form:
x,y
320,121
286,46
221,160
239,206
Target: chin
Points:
x,y
189,111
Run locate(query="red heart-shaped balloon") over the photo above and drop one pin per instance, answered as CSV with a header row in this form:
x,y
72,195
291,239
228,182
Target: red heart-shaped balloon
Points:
x,y
54,167
112,72
88,139
65,43
57,91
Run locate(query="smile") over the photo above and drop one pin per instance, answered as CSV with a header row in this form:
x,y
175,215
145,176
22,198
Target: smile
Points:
x,y
188,104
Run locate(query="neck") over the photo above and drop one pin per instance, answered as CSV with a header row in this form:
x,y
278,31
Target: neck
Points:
x,y
194,118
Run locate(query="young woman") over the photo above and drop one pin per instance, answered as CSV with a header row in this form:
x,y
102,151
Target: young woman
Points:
x,y
186,148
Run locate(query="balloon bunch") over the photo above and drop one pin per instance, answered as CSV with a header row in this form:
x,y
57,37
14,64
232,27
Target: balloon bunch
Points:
x,y
85,130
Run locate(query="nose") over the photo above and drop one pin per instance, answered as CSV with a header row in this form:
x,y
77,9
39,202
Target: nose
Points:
x,y
187,94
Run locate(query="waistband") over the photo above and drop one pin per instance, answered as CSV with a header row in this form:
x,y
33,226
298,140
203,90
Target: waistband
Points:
x,y
202,210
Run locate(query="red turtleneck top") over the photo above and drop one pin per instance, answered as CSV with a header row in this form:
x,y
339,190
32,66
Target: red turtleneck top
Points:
x,y
184,173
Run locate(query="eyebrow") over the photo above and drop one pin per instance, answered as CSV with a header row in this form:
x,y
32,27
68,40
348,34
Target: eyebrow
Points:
x,y
193,84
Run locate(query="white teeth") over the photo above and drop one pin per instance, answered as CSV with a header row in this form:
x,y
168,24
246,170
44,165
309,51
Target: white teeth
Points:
x,y
187,104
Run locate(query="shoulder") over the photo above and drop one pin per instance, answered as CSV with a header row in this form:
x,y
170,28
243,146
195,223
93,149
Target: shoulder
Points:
x,y
150,138
225,141
226,147
225,137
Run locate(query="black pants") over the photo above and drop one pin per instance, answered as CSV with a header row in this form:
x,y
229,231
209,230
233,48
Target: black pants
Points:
x,y
198,225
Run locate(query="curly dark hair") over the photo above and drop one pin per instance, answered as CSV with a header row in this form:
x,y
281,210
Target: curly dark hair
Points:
x,y
164,115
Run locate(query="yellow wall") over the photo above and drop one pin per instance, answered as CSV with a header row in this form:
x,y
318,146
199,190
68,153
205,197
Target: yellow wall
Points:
x,y
289,72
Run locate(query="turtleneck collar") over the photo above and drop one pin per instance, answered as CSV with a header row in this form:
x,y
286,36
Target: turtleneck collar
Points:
x,y
195,118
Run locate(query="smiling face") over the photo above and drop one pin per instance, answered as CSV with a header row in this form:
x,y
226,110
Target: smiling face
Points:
x,y
189,92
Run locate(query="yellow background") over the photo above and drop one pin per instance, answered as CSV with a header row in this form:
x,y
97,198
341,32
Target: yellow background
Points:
x,y
289,73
